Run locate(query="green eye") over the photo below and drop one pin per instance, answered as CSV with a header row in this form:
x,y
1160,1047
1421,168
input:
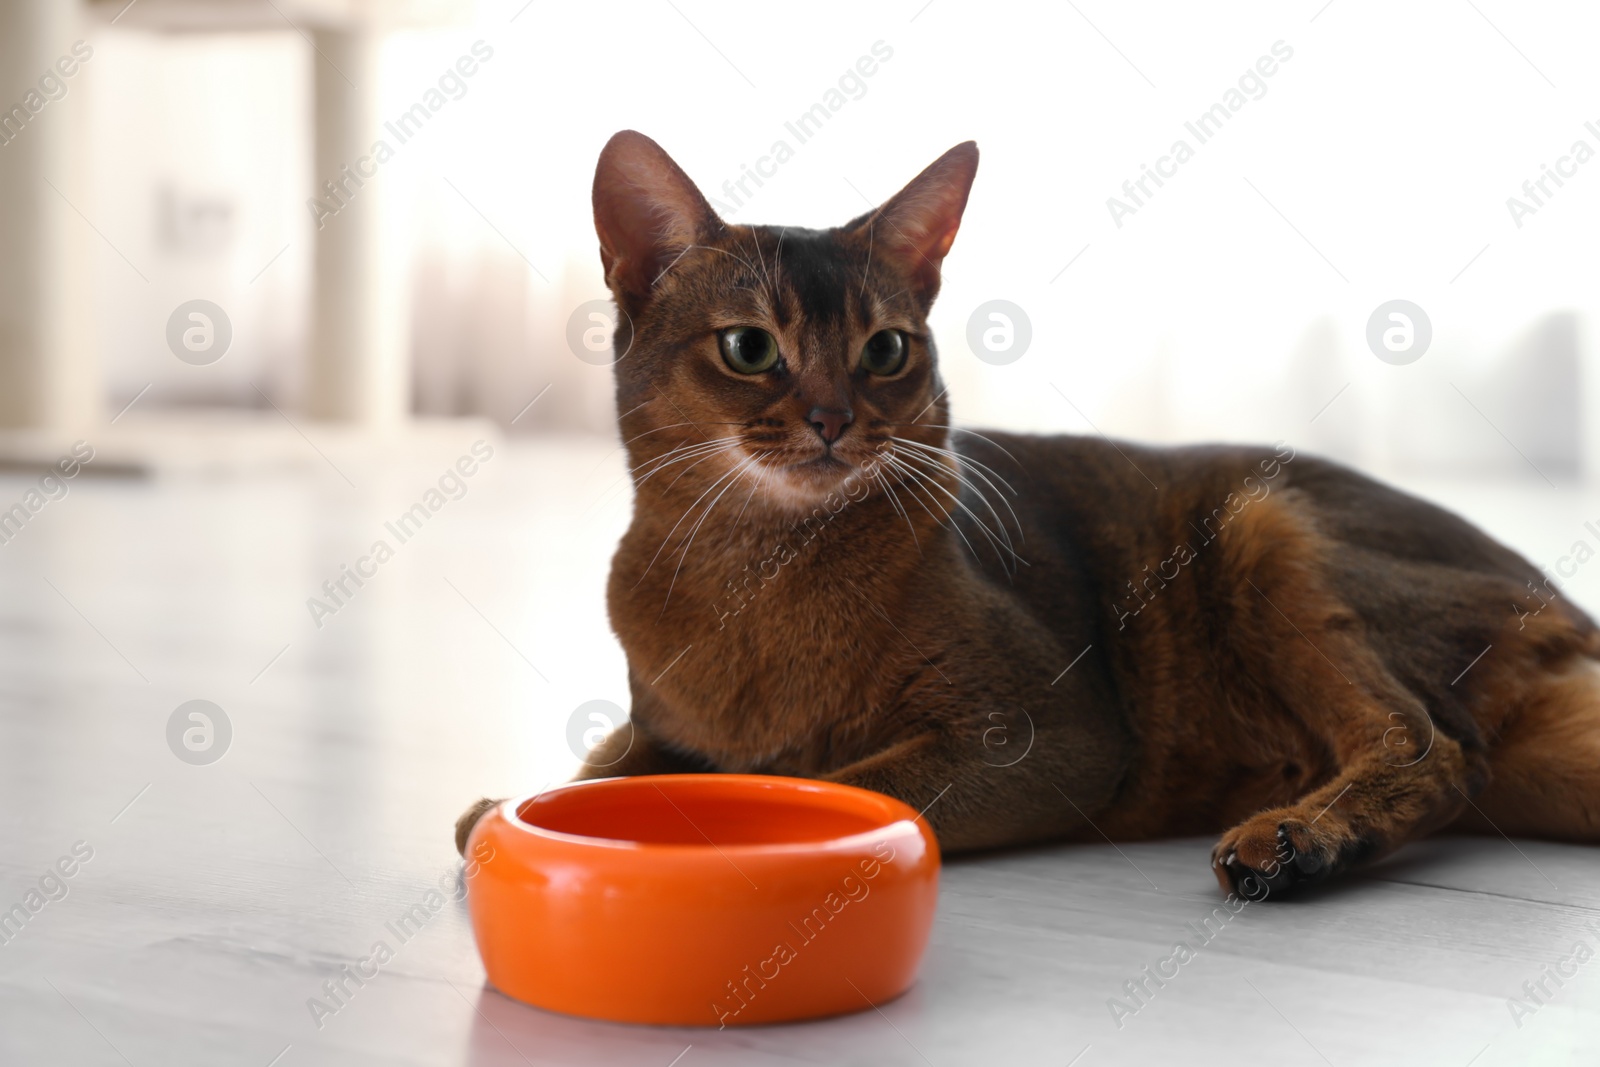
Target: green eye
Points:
x,y
748,349
884,353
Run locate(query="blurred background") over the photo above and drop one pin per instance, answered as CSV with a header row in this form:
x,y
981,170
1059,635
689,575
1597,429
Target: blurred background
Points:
x,y
280,266
187,155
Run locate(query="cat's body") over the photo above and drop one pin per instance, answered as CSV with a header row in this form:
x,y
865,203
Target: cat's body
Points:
x,y
1038,637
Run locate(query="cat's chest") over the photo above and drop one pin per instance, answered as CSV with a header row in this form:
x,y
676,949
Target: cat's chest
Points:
x,y
752,662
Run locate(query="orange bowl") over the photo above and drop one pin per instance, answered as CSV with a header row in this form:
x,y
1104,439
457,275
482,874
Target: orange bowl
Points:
x,y
702,899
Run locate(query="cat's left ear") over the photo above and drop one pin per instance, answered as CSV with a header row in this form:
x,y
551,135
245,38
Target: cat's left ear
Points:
x,y
918,224
646,212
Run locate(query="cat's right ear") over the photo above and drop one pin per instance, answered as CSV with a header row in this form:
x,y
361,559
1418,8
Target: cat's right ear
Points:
x,y
647,213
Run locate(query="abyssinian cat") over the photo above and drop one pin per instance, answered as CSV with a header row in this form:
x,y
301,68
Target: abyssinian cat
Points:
x,y
824,578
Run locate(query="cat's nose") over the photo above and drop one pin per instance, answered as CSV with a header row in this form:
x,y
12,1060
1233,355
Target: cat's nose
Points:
x,y
829,422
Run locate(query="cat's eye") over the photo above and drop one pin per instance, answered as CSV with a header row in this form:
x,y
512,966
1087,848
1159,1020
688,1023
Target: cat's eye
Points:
x,y
884,353
748,349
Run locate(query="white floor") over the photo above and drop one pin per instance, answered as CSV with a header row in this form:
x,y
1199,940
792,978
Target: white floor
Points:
x,y
220,897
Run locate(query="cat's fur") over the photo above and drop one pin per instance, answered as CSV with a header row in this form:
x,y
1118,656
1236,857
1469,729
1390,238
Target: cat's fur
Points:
x,y
1198,640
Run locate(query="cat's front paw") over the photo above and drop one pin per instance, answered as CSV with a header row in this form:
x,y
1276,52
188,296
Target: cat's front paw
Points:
x,y
468,820
1273,852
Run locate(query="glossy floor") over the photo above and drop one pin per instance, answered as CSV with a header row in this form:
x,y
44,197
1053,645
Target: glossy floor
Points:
x,y
220,897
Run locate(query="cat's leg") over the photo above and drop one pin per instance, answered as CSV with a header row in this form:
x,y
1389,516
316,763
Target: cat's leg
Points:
x,y
1373,806
1397,777
966,804
625,751
976,794
469,818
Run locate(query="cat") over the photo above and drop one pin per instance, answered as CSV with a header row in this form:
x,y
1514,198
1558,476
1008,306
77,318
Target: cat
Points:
x,y
1037,638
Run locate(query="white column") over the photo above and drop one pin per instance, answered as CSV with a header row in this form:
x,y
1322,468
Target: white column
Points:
x,y
360,368
49,373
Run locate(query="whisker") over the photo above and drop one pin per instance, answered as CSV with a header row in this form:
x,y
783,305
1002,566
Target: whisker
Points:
x,y
755,485
989,440
656,464
983,472
999,533
962,459
866,274
936,465
681,518
997,541
666,459
663,464
675,425
766,275
659,463
696,463
724,251
658,429
635,407
669,454
688,541
912,481
894,501
978,469
677,455
921,481
680,411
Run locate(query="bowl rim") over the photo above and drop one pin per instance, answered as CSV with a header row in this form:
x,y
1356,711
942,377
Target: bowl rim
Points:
x,y
892,816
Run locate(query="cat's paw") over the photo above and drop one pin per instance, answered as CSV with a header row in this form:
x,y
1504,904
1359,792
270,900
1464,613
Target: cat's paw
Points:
x,y
1273,852
468,820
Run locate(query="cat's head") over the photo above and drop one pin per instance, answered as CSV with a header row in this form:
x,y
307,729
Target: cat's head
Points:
x,y
783,358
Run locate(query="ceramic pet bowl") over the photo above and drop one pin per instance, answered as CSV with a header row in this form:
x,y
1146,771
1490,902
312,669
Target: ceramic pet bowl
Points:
x,y
703,899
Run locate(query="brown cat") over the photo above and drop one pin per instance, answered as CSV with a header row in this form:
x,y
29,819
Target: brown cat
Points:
x,y
824,578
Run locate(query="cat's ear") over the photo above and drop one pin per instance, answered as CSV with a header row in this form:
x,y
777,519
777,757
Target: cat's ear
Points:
x,y
646,212
918,224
